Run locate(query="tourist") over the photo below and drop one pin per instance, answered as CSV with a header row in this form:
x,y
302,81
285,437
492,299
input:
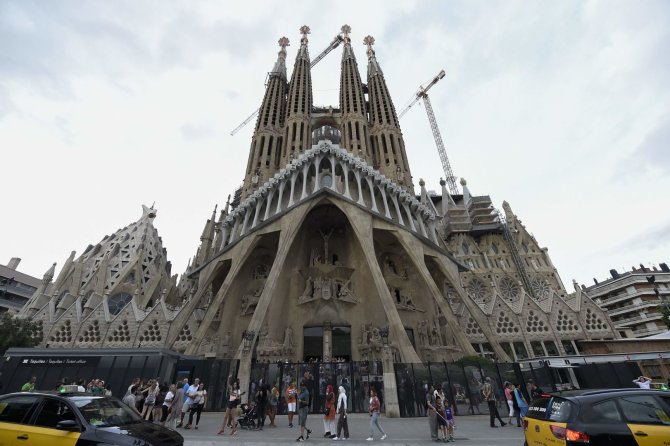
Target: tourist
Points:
x,y
430,412
80,385
342,423
150,398
274,401
303,409
329,414
451,421
291,393
177,404
30,385
167,403
510,400
441,419
374,409
189,394
261,403
643,382
136,382
234,396
490,397
521,402
129,399
199,400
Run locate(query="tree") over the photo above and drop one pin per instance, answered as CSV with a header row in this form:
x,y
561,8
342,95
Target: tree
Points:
x,y
665,312
15,332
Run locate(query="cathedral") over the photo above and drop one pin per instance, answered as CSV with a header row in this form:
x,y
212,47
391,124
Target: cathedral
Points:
x,y
331,250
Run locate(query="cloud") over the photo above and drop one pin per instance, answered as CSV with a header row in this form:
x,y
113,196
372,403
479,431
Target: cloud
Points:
x,y
654,238
653,154
193,132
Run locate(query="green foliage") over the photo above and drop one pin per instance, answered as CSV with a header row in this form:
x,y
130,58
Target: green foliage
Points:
x,y
475,360
15,332
665,312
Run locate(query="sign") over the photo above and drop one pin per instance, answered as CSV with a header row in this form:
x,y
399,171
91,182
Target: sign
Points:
x,y
59,361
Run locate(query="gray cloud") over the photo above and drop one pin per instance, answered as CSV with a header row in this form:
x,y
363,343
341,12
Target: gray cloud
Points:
x,y
193,132
653,153
653,239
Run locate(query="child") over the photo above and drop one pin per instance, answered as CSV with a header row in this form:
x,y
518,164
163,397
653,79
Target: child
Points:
x,y
441,418
449,415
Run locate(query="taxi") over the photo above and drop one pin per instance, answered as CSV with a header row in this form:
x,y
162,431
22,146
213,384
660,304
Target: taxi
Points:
x,y
622,417
75,419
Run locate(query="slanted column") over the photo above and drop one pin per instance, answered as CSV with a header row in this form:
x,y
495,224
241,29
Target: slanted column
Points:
x,y
224,235
409,216
361,201
294,176
281,196
422,226
345,169
246,222
305,169
394,197
387,214
333,183
371,186
259,204
236,226
269,202
317,178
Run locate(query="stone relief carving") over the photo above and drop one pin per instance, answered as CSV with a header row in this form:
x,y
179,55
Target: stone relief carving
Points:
x,y
271,348
251,297
250,300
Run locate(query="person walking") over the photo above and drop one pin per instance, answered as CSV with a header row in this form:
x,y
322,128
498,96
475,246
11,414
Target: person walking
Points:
x,y
291,394
342,423
234,397
490,397
30,385
303,408
168,401
198,404
374,408
431,412
521,403
329,415
274,401
261,404
510,400
451,421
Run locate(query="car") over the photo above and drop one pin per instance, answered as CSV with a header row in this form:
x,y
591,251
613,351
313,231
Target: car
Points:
x,y
621,417
68,419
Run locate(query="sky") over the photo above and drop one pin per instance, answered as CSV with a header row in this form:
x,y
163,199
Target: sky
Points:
x,y
560,108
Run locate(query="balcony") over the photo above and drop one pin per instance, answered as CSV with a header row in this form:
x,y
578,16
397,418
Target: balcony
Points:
x,y
626,296
625,323
634,306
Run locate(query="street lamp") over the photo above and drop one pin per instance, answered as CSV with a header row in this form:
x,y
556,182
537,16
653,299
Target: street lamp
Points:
x,y
248,337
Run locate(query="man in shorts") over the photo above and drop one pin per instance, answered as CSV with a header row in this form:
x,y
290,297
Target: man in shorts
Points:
x,y
291,394
303,408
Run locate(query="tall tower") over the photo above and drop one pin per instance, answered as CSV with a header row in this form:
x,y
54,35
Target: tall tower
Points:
x,y
298,133
266,143
352,104
388,146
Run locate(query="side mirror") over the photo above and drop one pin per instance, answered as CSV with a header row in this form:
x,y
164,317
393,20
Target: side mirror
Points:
x,y
68,425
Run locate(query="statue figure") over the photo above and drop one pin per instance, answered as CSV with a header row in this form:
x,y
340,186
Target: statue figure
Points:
x,y
309,289
288,339
423,332
376,338
364,335
226,339
434,336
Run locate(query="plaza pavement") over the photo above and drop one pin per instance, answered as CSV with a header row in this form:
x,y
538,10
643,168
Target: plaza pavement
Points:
x,y
470,431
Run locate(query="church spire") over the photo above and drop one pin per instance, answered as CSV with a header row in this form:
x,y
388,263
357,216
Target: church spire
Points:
x,y
266,142
352,103
298,132
388,146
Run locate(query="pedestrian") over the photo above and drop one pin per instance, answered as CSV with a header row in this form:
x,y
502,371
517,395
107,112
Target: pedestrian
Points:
x,y
274,401
441,418
643,382
198,404
534,390
129,399
451,421
303,408
233,400
521,402
150,398
261,403
167,403
184,405
489,395
430,412
374,408
510,400
177,404
342,423
329,415
291,394
191,392
30,385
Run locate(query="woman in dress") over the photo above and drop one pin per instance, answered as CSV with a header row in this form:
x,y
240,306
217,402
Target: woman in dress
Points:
x,y
329,416
233,400
178,403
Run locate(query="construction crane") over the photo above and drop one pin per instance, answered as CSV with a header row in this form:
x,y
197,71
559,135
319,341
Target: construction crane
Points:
x,y
334,44
423,94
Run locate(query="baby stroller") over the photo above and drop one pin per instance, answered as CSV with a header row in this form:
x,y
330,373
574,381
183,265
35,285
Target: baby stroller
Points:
x,y
248,418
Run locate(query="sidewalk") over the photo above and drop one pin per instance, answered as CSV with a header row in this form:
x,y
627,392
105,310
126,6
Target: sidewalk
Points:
x,y
471,431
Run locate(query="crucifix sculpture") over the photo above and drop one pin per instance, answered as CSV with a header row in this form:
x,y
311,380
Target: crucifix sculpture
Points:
x,y
325,244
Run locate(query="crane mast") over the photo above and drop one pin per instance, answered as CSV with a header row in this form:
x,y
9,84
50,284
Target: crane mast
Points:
x,y
334,44
423,94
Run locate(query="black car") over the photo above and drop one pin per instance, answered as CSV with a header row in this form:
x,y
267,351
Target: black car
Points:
x,y
55,419
621,417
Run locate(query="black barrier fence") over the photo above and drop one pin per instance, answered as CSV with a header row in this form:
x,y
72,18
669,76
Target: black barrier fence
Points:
x,y
355,377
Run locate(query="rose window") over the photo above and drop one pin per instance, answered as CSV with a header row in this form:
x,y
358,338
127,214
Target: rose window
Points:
x,y
509,288
540,288
477,290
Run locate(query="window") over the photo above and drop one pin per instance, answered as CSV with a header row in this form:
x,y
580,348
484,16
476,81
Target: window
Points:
x,y
15,409
643,409
559,410
569,349
551,348
603,412
520,350
537,348
117,302
53,412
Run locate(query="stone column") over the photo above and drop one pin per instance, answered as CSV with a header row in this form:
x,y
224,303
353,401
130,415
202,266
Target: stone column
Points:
x,y
391,404
327,341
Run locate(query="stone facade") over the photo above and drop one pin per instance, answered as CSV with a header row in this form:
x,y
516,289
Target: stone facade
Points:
x,y
328,238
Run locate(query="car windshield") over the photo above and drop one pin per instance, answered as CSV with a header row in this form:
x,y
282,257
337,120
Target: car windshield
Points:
x,y
551,408
104,411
